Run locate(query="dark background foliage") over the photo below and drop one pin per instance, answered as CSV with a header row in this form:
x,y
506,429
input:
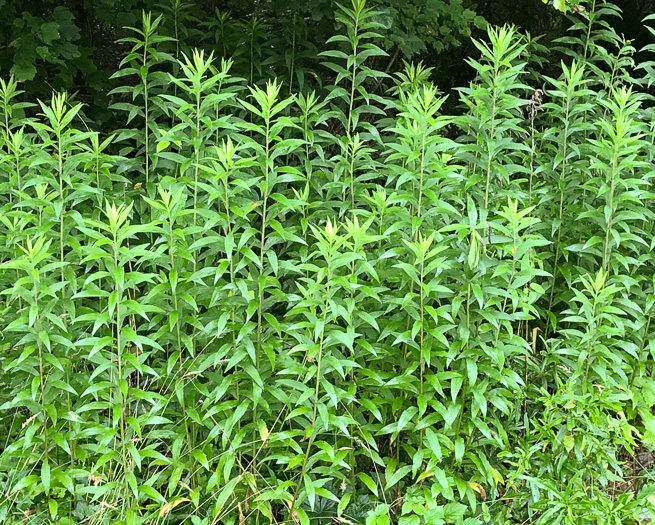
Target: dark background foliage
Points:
x,y
72,45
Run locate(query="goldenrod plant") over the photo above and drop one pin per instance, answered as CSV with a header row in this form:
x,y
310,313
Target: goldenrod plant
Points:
x,y
366,300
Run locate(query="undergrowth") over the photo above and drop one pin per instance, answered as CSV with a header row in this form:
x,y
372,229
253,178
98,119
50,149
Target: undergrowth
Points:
x,y
256,305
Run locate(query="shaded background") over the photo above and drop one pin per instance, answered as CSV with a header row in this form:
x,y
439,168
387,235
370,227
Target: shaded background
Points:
x,y
72,46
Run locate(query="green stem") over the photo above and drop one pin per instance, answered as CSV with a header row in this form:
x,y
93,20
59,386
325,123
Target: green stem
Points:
x,y
260,297
41,372
316,391
146,111
119,358
353,78
562,182
608,226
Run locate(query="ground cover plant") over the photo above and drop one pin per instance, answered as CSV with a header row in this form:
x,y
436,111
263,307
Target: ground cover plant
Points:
x,y
259,303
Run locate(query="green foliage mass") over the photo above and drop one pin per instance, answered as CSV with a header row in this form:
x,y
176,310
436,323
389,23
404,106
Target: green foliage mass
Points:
x,y
71,46
253,302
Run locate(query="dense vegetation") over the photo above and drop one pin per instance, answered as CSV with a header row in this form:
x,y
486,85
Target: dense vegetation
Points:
x,y
260,302
74,45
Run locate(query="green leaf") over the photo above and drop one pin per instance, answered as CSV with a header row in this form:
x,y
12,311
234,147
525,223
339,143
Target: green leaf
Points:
x,y
151,493
459,449
201,458
224,494
434,444
368,481
397,476
45,476
23,71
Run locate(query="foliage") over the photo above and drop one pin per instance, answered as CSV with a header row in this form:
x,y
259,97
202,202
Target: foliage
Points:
x,y
72,46
258,303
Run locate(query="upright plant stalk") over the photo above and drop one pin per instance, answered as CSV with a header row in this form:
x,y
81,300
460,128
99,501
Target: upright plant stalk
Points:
x,y
571,87
493,104
328,242
142,60
63,141
267,107
360,27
